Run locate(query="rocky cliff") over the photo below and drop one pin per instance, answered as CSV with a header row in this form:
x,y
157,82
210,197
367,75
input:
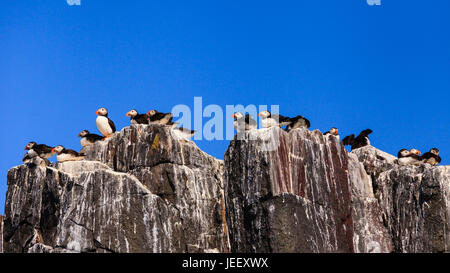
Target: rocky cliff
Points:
x,y
145,191
140,191
1,234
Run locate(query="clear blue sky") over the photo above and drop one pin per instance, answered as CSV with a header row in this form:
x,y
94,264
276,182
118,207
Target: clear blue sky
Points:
x,y
339,63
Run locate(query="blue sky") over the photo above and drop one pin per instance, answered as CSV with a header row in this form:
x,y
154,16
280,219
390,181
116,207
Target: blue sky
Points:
x,y
338,63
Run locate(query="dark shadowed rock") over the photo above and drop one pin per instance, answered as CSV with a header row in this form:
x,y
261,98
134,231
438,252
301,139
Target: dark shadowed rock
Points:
x,y
139,191
1,234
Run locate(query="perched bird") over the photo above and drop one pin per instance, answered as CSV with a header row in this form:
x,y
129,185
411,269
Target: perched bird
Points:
x,y
298,122
360,141
137,118
41,150
63,154
104,124
156,117
241,122
183,133
26,159
432,157
269,120
333,131
88,138
410,157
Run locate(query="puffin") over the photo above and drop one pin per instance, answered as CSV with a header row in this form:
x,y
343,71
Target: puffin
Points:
x,y
156,117
40,150
88,139
360,141
247,123
104,124
183,133
333,131
137,118
298,122
63,154
269,120
410,157
432,157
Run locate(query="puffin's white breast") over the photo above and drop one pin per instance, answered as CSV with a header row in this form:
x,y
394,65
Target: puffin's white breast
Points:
x,y
269,122
84,142
103,126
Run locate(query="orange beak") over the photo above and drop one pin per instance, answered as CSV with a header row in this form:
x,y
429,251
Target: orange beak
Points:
x,y
96,112
53,151
128,115
259,114
26,148
233,115
419,152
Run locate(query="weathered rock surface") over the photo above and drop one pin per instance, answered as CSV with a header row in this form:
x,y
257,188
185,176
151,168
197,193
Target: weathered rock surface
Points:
x,y
414,201
1,234
143,190
291,192
139,191
305,193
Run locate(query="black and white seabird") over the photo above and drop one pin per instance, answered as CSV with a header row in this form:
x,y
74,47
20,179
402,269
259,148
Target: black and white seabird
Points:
x,y
432,157
63,154
104,124
244,123
136,118
411,157
360,141
298,122
41,150
269,120
88,138
333,131
26,159
156,117
183,133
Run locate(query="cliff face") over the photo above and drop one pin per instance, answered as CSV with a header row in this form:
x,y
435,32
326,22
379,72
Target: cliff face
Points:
x,y
299,192
139,191
145,191
1,234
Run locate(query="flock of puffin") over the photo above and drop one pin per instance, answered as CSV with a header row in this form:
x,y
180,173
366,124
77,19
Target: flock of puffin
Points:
x,y
241,123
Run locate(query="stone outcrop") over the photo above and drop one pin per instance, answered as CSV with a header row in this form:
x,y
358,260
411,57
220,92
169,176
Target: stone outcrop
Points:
x,y
139,191
414,201
144,190
1,234
299,192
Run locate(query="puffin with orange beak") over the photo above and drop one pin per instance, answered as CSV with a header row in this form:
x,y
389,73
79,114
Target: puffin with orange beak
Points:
x,y
273,120
88,139
156,117
244,123
104,124
136,118
333,131
34,150
63,154
411,157
432,157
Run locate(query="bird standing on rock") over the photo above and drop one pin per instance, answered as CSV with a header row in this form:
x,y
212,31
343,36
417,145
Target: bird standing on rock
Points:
x,y
269,120
63,154
88,139
34,150
298,122
360,141
136,118
156,117
244,123
104,124
432,157
333,131
411,157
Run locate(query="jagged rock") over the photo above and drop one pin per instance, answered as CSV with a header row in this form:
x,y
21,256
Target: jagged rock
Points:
x,y
139,191
292,192
414,202
1,234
